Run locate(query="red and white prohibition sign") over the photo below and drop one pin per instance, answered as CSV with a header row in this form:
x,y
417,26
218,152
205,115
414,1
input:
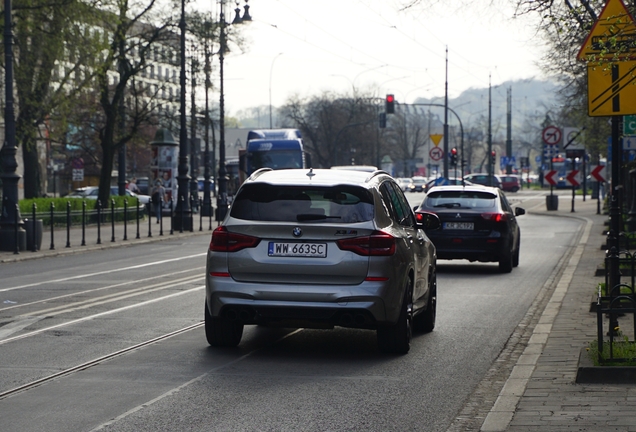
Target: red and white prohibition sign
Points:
x,y
436,153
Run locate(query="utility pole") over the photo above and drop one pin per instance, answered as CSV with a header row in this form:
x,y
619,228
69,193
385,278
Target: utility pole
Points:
x,y
491,167
446,119
509,132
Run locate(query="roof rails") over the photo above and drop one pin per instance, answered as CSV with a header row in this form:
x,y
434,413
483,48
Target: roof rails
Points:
x,y
375,173
256,174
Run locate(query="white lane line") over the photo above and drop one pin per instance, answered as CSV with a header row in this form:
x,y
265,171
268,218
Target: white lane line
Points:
x,y
14,327
184,385
86,275
502,412
92,317
94,290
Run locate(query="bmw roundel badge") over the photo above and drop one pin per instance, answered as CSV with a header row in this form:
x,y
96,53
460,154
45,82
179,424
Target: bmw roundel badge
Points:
x,y
297,232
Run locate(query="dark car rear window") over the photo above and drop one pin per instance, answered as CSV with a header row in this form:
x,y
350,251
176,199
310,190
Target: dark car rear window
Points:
x,y
460,199
339,204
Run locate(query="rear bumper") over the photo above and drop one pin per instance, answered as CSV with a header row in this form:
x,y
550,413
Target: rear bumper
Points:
x,y
366,305
472,249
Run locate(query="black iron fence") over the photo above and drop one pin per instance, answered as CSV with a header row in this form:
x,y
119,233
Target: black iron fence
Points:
x,y
54,222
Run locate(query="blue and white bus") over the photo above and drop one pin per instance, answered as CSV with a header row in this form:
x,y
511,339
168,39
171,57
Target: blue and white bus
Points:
x,y
273,148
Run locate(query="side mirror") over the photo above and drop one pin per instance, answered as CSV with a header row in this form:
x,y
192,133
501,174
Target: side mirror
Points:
x,y
519,211
427,221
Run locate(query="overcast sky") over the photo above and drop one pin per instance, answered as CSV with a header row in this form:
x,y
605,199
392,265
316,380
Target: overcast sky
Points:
x,y
307,46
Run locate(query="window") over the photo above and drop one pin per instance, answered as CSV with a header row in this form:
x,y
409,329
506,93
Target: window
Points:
x,y
340,204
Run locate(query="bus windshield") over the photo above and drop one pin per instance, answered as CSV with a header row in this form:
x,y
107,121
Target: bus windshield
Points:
x,y
275,159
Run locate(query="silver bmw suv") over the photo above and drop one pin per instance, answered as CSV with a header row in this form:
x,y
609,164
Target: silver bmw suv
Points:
x,y
317,249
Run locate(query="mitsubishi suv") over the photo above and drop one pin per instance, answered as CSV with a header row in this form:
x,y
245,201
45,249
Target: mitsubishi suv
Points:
x,y
319,248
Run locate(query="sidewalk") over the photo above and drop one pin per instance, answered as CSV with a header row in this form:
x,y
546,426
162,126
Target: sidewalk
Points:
x,y
541,393
70,243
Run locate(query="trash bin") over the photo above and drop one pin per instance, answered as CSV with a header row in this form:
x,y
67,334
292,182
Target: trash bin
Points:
x,y
552,202
39,228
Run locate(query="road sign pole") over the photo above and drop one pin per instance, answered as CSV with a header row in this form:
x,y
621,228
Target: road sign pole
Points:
x,y
615,218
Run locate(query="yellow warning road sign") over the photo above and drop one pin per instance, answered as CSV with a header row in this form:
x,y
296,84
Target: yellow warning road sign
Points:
x,y
436,138
613,36
611,88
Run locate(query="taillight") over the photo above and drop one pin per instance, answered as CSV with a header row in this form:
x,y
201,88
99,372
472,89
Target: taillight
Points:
x,y
225,241
376,244
495,217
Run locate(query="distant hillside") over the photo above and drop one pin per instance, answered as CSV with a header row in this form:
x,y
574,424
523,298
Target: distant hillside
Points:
x,y
531,99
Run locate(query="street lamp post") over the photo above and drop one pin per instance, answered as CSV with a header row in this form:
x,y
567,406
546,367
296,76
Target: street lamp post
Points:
x,y
270,89
222,201
182,210
12,234
207,204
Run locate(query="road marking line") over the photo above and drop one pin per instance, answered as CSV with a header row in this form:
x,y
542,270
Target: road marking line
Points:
x,y
502,412
138,266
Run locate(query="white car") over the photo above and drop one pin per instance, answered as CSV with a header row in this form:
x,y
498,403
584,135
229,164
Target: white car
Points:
x,y
91,192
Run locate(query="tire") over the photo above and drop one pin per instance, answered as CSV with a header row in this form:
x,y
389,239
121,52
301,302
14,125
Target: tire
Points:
x,y
425,321
515,255
396,338
221,332
505,262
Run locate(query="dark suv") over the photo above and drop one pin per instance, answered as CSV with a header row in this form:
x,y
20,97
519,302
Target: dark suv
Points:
x,y
478,224
318,249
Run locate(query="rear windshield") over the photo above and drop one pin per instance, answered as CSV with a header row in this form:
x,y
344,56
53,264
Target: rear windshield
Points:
x,y
340,204
460,199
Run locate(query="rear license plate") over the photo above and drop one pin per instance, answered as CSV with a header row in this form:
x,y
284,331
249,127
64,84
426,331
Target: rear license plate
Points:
x,y
459,225
305,250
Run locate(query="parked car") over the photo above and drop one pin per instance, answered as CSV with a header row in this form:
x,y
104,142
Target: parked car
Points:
x,y
418,184
478,224
317,249
441,181
142,184
483,179
403,183
509,182
91,192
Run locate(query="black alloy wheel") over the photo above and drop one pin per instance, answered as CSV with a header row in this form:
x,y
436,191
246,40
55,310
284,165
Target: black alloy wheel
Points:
x,y
396,338
221,332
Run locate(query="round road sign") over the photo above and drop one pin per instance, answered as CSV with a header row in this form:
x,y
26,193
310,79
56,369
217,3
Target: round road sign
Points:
x,y
551,135
436,153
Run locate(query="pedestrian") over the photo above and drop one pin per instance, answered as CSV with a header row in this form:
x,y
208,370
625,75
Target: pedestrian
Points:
x,y
132,185
158,198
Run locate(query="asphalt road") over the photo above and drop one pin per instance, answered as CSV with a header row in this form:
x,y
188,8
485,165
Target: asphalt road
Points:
x,y
91,319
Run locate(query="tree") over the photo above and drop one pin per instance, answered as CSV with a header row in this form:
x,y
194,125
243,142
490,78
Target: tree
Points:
x,y
408,136
337,129
45,66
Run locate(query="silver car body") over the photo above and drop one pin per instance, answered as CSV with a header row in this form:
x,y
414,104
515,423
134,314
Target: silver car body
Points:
x,y
342,288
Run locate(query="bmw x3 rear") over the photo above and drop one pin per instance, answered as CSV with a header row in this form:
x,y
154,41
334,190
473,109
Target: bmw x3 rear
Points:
x,y
318,249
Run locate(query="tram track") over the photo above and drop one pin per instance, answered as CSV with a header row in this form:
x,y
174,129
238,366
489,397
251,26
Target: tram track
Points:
x,y
96,361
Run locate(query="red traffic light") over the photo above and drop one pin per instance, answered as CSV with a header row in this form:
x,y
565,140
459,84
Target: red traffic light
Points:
x,y
454,151
389,104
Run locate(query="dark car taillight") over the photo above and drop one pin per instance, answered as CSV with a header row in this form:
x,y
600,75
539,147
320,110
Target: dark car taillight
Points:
x,y
376,244
225,241
495,217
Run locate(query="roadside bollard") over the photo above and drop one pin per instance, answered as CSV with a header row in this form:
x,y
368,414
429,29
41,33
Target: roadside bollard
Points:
x,y
161,220
83,223
210,215
112,220
68,224
137,218
171,217
149,222
33,233
99,221
200,214
191,213
125,218
52,210
15,230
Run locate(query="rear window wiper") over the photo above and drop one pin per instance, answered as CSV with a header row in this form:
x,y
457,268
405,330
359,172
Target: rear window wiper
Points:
x,y
449,205
309,216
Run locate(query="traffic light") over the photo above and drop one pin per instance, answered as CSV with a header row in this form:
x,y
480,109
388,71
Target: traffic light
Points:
x,y
493,157
382,120
390,104
453,157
